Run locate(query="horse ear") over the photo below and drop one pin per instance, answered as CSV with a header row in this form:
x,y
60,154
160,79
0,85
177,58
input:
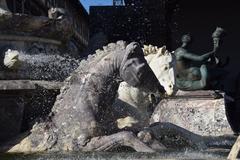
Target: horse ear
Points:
x,y
161,51
145,46
164,49
145,49
134,49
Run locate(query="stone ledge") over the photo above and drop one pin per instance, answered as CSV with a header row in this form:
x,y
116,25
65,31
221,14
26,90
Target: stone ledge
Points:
x,y
194,95
28,85
29,39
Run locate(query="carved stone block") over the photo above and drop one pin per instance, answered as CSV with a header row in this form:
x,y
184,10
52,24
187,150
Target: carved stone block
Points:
x,y
196,111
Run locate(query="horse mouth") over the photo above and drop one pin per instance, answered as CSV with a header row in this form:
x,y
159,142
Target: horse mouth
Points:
x,y
171,92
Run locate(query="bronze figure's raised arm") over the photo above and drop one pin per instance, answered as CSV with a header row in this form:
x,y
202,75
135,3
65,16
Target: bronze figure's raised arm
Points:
x,y
189,75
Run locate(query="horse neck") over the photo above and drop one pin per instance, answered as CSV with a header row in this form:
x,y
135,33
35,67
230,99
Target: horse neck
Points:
x,y
109,66
153,62
149,58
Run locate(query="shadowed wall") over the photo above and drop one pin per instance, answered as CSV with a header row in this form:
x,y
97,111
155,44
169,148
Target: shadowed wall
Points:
x,y
200,18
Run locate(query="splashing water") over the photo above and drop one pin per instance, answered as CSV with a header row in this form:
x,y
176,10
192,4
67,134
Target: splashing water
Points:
x,y
46,67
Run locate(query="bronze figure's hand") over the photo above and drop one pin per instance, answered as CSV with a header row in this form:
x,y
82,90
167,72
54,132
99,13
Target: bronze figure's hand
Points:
x,y
217,35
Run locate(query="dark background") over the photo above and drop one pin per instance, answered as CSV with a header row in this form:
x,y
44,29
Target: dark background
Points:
x,y
163,22
200,18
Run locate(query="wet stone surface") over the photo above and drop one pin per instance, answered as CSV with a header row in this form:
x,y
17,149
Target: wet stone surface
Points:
x,y
185,154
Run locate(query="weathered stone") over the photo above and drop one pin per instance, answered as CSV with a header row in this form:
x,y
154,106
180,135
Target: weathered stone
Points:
x,y
11,60
34,47
126,122
28,85
21,102
11,114
195,111
34,28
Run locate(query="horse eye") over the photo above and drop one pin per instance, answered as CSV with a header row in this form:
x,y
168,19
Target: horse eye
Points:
x,y
165,68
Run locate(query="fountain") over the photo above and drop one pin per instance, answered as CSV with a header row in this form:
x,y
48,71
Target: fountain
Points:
x,y
40,46
34,62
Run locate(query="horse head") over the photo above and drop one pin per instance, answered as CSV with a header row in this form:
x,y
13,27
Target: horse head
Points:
x,y
136,71
163,64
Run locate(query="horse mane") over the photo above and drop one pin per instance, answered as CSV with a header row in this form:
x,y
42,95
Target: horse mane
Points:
x,y
95,58
87,63
150,49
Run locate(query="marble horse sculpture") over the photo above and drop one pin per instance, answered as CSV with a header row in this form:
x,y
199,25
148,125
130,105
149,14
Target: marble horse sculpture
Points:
x,y
78,118
81,118
133,106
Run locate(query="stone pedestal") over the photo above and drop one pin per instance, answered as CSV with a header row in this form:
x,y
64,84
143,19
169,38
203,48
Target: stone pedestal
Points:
x,y
195,111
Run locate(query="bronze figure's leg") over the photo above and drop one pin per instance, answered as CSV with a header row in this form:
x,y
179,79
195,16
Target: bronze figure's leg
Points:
x,y
191,85
204,76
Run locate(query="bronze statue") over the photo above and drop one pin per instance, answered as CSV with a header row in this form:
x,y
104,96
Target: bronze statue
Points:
x,y
189,75
210,75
